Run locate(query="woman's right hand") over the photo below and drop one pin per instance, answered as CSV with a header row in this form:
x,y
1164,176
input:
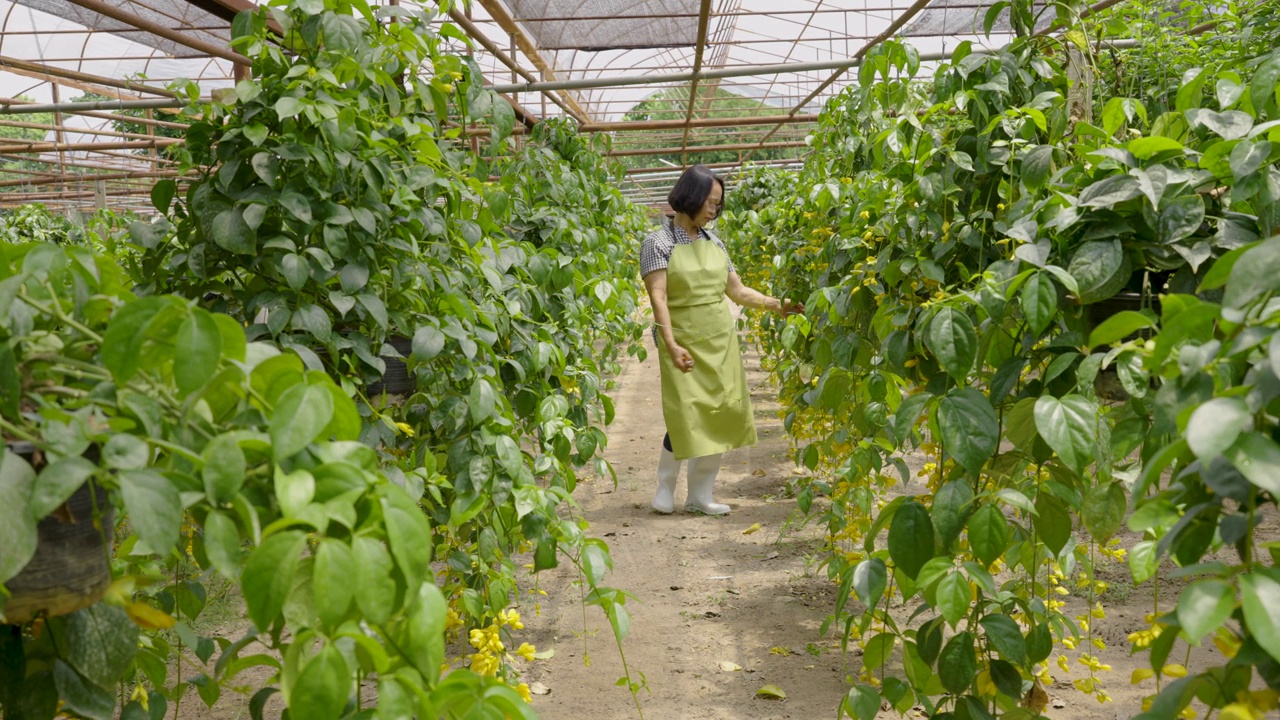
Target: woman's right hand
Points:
x,y
681,357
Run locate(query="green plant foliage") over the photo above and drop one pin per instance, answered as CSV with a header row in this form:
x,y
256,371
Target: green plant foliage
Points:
x,y
1070,319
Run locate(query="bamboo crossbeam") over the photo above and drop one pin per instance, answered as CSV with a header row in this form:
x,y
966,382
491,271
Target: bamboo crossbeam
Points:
x,y
86,177
155,28
702,149
89,147
50,71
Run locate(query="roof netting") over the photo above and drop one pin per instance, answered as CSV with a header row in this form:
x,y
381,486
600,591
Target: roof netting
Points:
x,y
633,62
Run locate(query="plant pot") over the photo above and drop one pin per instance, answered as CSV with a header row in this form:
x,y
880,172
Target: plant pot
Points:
x,y
397,380
70,570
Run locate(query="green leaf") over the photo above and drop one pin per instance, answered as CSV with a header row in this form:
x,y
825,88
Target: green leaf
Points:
x,y
1006,637
268,575
222,544
287,107
231,233
80,696
969,428
126,452
334,571
958,663
162,195
1096,267
234,343
375,588
224,469
1215,426
1103,510
1109,192
1204,605
1260,597
126,333
301,414
1229,125
1118,327
877,650
869,580
771,692
952,340
988,534
408,533
953,597
1052,522
1180,219
295,270
294,491
950,510
1257,457
1039,302
428,341
1257,271
1069,426
1142,561
1037,165
101,642
297,205
197,350
1147,147
1247,158
911,538
481,401
155,510
323,686
422,635
57,482
1039,643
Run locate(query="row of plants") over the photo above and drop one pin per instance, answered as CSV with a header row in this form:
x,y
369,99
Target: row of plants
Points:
x,y
1070,323
224,373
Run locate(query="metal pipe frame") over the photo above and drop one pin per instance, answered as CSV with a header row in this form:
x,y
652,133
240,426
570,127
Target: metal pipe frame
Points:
x,y
701,149
531,51
155,28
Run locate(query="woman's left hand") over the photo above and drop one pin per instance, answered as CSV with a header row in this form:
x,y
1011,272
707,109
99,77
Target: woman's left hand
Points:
x,y
790,307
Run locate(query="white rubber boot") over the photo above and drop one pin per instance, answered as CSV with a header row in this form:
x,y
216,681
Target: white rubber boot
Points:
x,y
702,479
664,501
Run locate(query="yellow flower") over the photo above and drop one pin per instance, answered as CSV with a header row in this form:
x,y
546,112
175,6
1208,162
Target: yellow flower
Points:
x,y
1174,670
1000,206
864,215
1062,663
1140,674
526,651
523,690
405,429
1238,711
1069,643
510,618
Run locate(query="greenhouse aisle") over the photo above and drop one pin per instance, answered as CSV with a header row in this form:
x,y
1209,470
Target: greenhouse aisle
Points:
x,y
706,594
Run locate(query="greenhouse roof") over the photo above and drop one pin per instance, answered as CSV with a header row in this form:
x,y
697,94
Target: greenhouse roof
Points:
x,y
673,78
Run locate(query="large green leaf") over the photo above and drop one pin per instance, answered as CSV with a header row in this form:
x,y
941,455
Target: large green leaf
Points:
x,y
323,687
951,507
155,510
18,534
231,233
1052,522
1256,272
1069,426
869,580
80,696
1103,510
969,427
1257,457
911,538
224,468
101,642
1204,605
126,333
1260,597
1005,636
222,544
958,663
988,534
953,597
197,349
953,341
1109,192
1181,218
1037,165
57,482
1118,327
422,635
1099,269
268,575
428,341
1143,561
1215,425
301,414
409,534
375,586
1039,302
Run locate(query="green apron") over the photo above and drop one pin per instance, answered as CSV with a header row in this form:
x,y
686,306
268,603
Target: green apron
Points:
x,y
708,410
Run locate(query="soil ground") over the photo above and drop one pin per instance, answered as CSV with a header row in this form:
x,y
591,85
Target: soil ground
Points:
x,y
708,598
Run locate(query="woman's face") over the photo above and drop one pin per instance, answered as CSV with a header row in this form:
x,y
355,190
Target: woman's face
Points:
x,y
711,208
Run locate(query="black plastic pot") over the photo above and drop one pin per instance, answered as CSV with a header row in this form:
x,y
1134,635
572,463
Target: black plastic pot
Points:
x,y
70,570
397,380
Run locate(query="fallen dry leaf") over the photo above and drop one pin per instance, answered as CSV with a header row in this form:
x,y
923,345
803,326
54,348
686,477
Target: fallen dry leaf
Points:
x,y
538,688
727,666
771,692
759,472
779,650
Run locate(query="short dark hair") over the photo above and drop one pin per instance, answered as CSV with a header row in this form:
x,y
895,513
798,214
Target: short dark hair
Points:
x,y
692,190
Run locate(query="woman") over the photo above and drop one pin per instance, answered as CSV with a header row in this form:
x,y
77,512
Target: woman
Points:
x,y
705,400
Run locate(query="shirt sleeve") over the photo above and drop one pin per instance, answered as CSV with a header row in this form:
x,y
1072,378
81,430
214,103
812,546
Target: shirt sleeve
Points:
x,y
655,253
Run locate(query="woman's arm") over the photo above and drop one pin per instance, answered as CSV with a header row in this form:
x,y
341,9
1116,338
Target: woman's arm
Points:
x,y
656,283
752,298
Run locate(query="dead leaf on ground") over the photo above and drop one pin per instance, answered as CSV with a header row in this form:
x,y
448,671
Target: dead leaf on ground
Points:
x,y
538,688
771,692
758,472
727,666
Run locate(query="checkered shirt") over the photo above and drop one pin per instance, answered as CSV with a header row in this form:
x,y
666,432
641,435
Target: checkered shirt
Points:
x,y
656,250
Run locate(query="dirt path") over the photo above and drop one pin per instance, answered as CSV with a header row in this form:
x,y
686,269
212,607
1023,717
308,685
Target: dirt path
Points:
x,y
705,593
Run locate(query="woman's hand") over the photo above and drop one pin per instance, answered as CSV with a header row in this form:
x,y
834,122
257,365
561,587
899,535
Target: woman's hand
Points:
x,y
790,307
681,357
